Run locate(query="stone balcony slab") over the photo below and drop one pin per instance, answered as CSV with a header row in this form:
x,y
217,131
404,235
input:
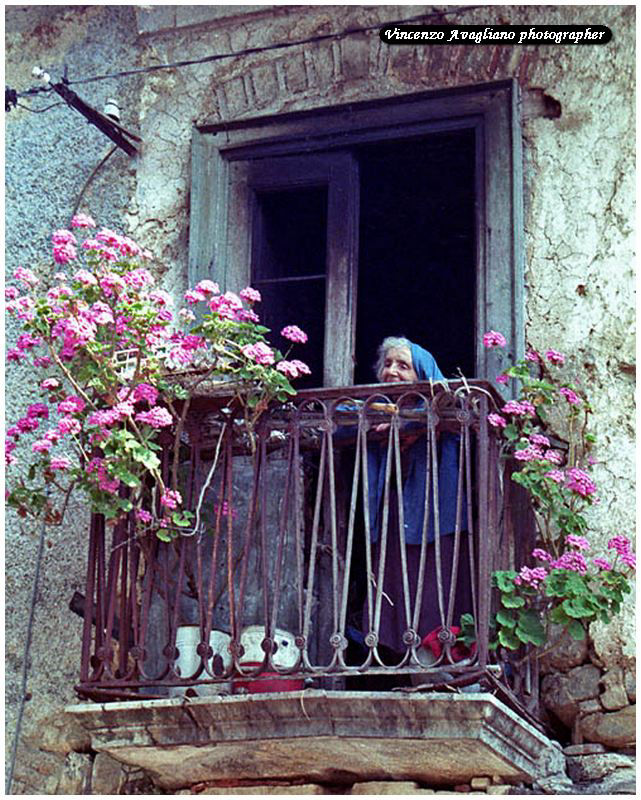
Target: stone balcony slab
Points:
x,y
321,736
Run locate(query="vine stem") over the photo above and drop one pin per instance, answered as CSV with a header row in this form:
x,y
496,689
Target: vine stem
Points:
x,y
69,376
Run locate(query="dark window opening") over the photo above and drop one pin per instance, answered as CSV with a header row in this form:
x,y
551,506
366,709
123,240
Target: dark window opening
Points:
x,y
417,259
288,268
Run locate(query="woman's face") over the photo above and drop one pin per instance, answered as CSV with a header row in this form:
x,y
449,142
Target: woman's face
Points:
x,y
397,366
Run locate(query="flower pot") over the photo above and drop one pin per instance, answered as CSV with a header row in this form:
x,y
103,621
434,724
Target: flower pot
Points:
x,y
188,661
286,656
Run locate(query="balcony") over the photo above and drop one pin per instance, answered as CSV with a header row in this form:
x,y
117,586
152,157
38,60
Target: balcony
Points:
x,y
280,583
295,585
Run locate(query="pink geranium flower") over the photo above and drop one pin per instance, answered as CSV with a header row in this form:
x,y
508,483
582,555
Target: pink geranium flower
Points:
x,y
571,396
60,463
170,498
26,277
294,334
554,357
64,253
250,295
156,417
82,221
259,352
580,482
494,339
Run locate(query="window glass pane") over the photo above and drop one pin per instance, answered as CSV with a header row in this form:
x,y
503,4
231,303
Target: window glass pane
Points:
x,y
417,263
288,268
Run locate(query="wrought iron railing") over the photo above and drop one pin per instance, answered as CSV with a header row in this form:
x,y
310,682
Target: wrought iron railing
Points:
x,y
296,571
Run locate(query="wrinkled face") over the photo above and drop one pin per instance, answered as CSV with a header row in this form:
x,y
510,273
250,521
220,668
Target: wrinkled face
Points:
x,y
397,366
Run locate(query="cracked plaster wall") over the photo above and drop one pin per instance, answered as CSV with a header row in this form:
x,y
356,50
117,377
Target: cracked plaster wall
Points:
x,y
579,197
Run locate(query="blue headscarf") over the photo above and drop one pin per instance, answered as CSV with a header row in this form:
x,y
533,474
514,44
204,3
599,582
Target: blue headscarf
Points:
x,y
426,368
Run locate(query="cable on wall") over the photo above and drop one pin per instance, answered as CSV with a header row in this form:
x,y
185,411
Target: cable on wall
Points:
x,y
262,49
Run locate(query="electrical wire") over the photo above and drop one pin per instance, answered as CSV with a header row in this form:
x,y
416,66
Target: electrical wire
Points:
x,y
39,110
278,46
93,174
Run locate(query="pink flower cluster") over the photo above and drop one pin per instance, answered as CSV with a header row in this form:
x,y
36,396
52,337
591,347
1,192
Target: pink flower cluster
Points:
x,y
156,417
250,295
573,561
496,420
259,352
623,547
293,369
571,396
579,481
529,453
64,246
555,475
554,357
171,499
579,542
294,334
533,577
493,339
107,484
516,408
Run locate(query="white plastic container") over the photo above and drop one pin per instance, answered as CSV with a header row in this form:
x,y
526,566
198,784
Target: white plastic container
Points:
x,y
188,661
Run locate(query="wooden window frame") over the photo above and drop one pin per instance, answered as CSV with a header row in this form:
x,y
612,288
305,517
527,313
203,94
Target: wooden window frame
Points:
x,y
491,109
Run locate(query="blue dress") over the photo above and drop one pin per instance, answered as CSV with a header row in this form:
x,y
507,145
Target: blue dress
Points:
x,y
393,620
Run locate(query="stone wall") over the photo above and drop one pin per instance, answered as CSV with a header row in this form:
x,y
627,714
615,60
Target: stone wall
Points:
x,y
579,193
50,158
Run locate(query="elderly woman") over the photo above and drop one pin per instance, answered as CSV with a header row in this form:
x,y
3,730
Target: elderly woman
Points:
x,y
402,360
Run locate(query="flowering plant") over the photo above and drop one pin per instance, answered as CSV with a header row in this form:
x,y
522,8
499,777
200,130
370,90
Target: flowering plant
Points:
x,y
109,346
546,431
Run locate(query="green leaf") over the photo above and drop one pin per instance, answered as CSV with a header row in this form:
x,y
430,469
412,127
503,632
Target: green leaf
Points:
x,y
529,628
578,607
504,580
576,630
506,618
512,601
164,535
508,639
181,519
123,474
511,432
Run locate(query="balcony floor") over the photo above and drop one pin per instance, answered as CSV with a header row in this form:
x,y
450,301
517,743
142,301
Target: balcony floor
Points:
x,y
321,736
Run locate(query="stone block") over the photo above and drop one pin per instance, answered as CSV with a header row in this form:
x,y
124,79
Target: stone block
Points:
x,y
107,775
583,749
265,83
595,766
583,682
621,781
614,695
60,733
567,652
611,728
355,57
589,706
295,73
74,776
386,787
308,788
498,789
562,693
480,783
630,683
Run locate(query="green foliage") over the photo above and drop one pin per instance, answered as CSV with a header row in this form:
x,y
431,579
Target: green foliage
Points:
x,y
546,433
